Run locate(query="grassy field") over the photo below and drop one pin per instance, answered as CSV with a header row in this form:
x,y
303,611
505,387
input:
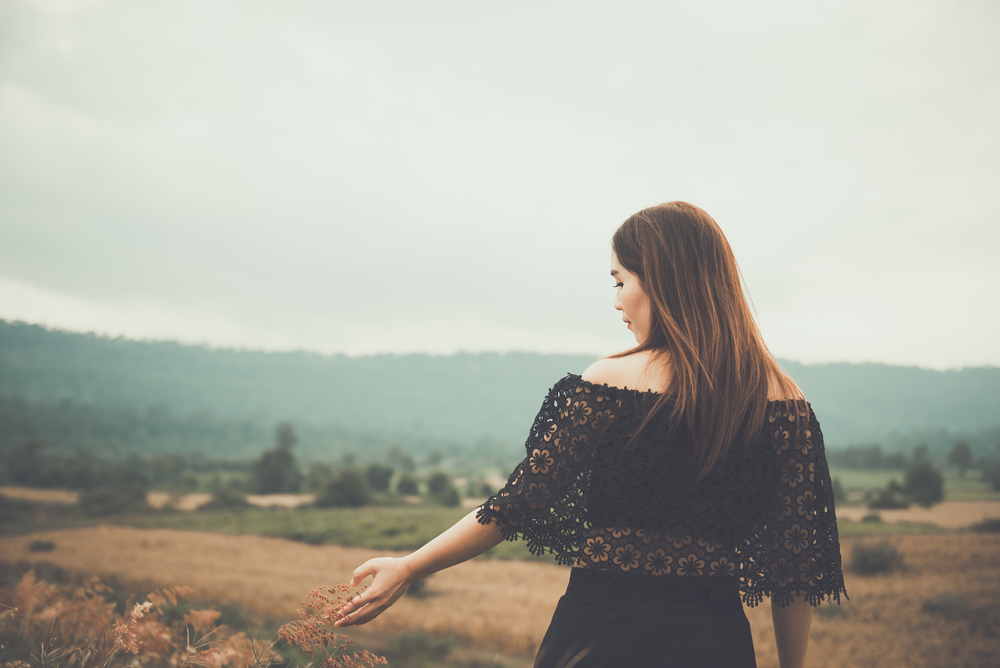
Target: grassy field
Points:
x,y
940,608
379,528
408,527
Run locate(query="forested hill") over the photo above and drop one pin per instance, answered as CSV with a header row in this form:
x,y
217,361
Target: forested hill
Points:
x,y
460,398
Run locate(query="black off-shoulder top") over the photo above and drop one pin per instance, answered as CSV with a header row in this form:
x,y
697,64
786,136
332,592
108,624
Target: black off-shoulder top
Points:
x,y
761,523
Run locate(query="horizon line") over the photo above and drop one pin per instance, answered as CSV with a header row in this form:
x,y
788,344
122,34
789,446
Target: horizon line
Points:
x,y
331,354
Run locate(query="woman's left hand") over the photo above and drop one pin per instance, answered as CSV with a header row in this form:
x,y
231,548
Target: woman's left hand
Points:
x,y
391,578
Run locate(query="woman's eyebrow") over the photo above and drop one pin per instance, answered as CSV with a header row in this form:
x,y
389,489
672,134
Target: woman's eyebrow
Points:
x,y
614,272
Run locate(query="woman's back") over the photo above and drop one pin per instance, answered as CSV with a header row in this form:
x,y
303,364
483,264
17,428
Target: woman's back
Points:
x,y
632,506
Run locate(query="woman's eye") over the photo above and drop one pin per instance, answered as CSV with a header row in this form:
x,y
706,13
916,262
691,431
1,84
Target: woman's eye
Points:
x,y
618,285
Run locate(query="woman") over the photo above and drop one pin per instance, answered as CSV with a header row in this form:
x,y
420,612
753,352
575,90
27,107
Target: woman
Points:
x,y
678,477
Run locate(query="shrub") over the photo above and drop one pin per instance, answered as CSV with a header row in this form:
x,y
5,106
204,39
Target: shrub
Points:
x,y
448,497
406,485
438,482
989,525
839,493
226,498
41,546
348,489
872,559
873,518
924,484
379,476
890,497
992,476
121,498
946,605
442,491
318,475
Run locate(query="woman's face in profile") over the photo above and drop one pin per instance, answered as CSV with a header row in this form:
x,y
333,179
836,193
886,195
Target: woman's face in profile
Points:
x,y
631,300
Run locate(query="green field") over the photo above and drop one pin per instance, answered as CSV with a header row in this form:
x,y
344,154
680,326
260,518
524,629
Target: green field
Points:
x,y
972,487
405,527
380,528
848,528
392,528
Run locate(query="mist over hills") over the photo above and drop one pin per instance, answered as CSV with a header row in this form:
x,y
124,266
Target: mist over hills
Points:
x,y
420,400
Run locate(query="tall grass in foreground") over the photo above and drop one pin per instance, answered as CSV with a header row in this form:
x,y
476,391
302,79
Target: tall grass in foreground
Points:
x,y
50,626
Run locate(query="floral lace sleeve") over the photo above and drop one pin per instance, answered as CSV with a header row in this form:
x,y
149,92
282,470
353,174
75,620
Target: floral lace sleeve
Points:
x,y
543,501
801,554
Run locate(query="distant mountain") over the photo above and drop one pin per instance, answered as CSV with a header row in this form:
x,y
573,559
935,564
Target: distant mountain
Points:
x,y
461,398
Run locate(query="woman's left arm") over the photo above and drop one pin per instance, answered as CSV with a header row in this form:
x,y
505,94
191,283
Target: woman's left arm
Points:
x,y
791,631
466,539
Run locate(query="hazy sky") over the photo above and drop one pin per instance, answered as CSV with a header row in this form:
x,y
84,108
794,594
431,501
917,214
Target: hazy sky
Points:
x,y
441,176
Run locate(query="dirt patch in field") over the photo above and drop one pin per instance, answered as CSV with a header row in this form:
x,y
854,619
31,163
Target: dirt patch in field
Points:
x,y
191,501
947,514
36,495
941,609
280,500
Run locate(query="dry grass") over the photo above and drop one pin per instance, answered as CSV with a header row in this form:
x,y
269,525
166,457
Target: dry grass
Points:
x,y
947,514
268,577
506,606
884,624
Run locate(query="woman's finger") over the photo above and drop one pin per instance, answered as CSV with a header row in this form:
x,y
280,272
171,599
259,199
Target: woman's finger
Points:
x,y
364,613
361,572
350,605
361,611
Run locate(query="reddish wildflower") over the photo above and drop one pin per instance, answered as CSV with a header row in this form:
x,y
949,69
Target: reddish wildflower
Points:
x,y
124,634
315,633
202,621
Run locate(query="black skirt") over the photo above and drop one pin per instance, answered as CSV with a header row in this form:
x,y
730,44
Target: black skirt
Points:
x,y
600,625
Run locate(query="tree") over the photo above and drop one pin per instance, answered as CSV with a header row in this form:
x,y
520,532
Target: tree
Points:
x,y
442,491
276,471
285,435
961,457
992,476
924,484
348,489
318,474
24,464
379,477
400,460
890,497
108,500
438,482
166,470
406,485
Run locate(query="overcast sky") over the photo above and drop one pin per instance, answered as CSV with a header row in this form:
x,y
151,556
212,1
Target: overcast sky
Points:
x,y
442,176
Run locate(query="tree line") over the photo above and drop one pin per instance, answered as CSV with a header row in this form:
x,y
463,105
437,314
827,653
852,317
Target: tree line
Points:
x,y
112,484
462,397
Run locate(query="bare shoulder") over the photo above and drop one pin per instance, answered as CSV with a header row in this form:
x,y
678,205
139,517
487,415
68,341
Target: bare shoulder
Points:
x,y
639,371
602,371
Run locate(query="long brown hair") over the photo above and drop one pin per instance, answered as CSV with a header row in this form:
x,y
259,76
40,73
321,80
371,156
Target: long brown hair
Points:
x,y
700,320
